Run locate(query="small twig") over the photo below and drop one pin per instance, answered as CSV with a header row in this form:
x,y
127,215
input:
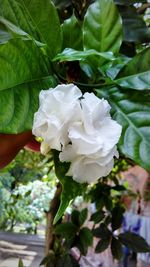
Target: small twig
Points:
x,y
143,8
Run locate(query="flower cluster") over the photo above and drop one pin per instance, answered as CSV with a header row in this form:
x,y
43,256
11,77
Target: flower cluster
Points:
x,y
80,127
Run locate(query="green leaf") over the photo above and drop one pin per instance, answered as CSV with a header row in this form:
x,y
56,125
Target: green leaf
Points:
x,y
71,55
102,245
132,111
15,32
67,261
100,33
17,14
134,242
72,33
117,217
84,240
97,216
128,2
46,22
116,248
102,232
21,62
70,188
62,4
134,27
19,104
20,264
4,34
48,259
79,217
30,17
86,236
136,74
67,230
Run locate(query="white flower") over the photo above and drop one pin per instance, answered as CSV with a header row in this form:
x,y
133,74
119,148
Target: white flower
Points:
x,y
58,108
93,141
81,128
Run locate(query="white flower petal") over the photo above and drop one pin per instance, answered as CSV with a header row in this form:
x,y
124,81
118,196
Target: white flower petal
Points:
x,y
82,171
58,109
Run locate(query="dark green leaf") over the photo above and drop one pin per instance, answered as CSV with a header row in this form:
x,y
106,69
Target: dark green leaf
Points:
x,y
134,27
75,217
71,189
119,188
128,2
132,111
86,236
116,248
100,33
97,216
72,33
136,74
102,232
48,259
102,245
67,230
117,217
134,242
84,240
79,217
67,261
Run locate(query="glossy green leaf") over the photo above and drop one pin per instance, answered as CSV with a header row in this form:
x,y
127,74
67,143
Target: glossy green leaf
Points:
x,y
46,22
18,105
4,34
30,17
71,189
14,31
62,4
71,55
17,14
132,111
135,242
72,33
136,74
100,33
134,27
21,62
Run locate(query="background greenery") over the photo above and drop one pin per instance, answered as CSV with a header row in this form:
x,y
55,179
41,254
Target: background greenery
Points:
x,y
102,47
